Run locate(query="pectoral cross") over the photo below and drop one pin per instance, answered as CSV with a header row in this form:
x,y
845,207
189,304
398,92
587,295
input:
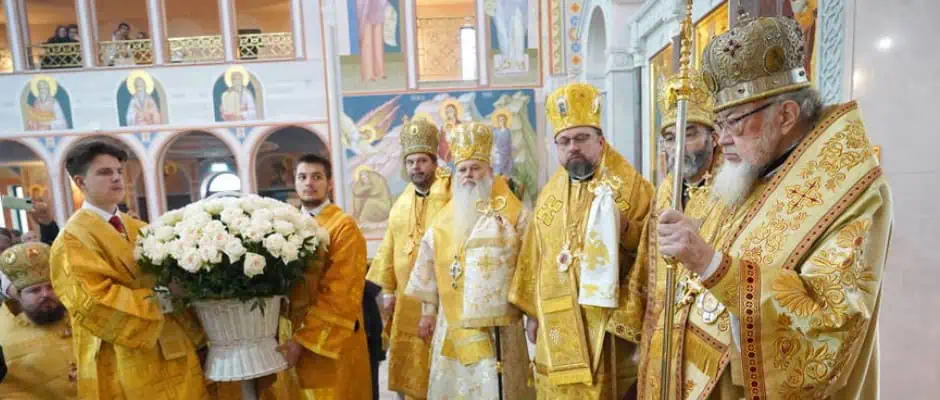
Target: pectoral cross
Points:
x,y
455,272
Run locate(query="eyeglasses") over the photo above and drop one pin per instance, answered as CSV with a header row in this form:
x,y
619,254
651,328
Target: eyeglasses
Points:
x,y
578,140
732,124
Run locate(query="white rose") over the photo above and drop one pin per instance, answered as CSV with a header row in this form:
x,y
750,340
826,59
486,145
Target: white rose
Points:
x,y
164,233
254,234
230,214
158,253
210,254
283,227
174,248
238,225
172,218
262,224
138,252
213,207
234,249
254,264
262,215
296,240
274,243
191,261
214,227
290,252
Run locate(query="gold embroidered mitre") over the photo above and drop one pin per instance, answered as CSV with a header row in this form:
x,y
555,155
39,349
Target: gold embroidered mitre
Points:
x,y
418,136
575,104
26,264
471,141
756,59
701,104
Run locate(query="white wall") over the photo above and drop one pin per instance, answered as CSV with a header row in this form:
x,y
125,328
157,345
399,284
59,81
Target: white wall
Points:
x,y
896,88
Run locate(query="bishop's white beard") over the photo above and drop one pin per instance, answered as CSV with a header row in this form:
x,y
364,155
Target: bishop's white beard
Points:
x,y
465,205
734,182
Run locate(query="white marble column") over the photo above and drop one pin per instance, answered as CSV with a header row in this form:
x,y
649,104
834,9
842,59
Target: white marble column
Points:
x,y
482,53
158,32
297,27
334,103
14,36
623,118
229,29
411,49
85,25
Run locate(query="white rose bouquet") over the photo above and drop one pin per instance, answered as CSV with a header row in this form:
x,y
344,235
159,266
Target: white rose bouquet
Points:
x,y
230,248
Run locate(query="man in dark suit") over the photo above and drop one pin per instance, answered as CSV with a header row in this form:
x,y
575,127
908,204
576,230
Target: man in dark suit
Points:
x,y
373,324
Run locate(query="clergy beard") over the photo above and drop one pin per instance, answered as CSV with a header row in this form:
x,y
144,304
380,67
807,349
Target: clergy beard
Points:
x,y
45,317
694,163
465,205
735,180
579,169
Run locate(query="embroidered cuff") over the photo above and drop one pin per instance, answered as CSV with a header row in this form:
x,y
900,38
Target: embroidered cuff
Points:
x,y
712,266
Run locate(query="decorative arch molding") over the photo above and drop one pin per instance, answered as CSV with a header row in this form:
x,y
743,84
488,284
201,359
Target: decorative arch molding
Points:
x,y
35,145
162,148
257,139
63,190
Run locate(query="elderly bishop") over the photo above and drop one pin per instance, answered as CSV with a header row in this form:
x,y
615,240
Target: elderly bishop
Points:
x,y
779,291
428,192
576,255
465,262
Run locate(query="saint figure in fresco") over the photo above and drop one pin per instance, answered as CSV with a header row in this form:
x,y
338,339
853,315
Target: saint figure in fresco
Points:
x,y
371,17
142,109
45,112
238,103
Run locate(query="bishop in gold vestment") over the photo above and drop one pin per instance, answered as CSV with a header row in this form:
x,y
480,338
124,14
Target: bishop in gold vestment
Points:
x,y
780,291
409,356
37,343
462,273
577,252
126,347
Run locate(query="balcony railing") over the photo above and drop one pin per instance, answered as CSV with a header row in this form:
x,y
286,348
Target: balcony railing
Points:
x,y
57,55
265,46
125,52
195,49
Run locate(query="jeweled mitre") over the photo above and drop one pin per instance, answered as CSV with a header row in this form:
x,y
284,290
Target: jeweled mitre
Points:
x,y
575,104
756,59
472,141
418,136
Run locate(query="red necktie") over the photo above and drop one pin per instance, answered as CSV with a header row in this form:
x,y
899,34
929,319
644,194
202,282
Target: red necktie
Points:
x,y
115,221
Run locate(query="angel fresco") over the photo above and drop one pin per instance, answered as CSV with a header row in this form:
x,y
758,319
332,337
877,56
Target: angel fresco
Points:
x,y
372,198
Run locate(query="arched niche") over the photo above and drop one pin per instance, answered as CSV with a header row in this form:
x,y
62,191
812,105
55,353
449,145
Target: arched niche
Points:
x,y
596,60
23,174
134,202
274,160
195,165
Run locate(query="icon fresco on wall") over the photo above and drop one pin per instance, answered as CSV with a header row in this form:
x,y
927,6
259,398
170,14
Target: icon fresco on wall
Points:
x,y
141,100
371,56
45,105
237,96
370,127
805,13
513,40
661,67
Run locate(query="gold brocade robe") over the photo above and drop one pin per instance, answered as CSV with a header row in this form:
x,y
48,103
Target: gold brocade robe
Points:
x,y
464,351
791,310
326,315
573,349
408,355
39,359
125,346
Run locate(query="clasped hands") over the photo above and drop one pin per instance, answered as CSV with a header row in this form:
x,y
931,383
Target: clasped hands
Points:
x,y
677,236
